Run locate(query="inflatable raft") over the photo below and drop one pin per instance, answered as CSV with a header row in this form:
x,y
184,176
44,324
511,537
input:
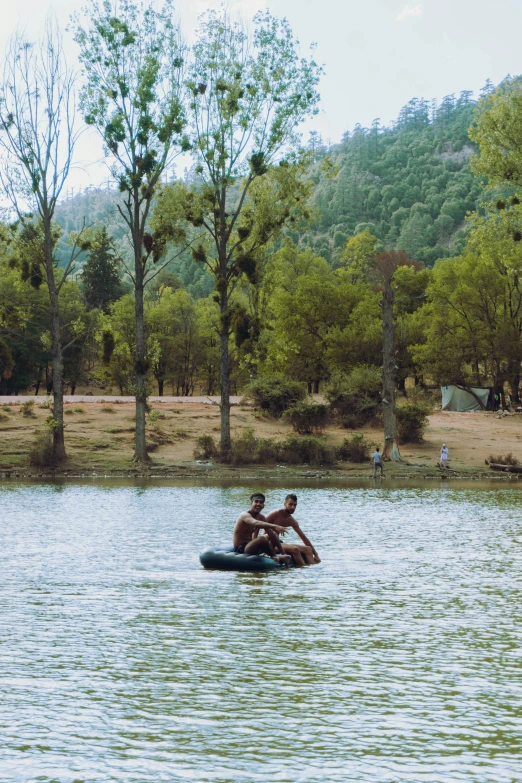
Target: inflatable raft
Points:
x,y
223,558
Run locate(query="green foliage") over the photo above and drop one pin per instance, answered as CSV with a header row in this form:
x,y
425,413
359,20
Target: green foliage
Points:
x,y
274,394
354,449
410,184
26,408
412,420
206,448
247,449
356,398
100,277
41,452
503,459
307,417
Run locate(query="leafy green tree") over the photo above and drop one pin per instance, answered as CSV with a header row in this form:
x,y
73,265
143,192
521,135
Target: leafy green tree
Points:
x,y
246,99
133,61
497,130
100,274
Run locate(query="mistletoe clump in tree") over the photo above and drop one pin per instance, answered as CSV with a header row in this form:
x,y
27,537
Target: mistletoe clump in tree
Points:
x,y
246,97
133,60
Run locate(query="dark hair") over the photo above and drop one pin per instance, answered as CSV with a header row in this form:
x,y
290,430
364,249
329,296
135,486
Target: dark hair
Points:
x,y
257,495
291,496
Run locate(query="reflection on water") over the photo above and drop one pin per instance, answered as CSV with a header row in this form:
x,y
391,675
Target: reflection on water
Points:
x,y
397,659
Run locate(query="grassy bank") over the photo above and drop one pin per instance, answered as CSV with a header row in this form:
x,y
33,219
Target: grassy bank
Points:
x,y
100,439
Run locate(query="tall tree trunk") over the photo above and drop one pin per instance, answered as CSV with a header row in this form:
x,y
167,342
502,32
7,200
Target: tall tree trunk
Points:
x,y
391,448
38,382
514,380
160,387
56,349
225,373
316,387
140,454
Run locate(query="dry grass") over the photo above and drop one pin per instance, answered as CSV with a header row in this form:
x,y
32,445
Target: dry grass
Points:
x,y
103,439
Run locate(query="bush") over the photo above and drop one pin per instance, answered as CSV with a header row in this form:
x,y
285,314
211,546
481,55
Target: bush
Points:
x,y
308,449
356,398
247,449
355,449
107,410
503,459
274,394
46,404
307,417
206,448
412,420
41,452
27,408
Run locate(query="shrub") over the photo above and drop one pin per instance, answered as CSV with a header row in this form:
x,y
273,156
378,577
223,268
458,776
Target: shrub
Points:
x,y
47,403
78,410
68,412
307,417
6,408
412,420
206,448
41,452
247,449
27,408
503,459
274,394
3,417
154,415
308,449
107,410
355,449
356,398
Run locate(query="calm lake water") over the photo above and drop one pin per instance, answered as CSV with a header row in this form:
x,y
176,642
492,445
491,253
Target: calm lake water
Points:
x,y
397,659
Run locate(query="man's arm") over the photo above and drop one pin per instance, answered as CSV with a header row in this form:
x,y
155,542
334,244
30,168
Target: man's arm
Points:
x,y
260,524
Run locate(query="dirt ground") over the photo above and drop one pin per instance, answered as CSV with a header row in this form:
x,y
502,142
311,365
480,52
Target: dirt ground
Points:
x,y
100,436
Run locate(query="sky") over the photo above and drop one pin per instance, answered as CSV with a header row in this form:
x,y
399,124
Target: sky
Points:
x,y
377,54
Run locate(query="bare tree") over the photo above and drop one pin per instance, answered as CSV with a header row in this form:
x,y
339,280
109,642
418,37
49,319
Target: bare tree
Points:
x,y
37,137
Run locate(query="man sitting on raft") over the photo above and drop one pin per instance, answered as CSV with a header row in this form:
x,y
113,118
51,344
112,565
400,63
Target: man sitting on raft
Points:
x,y
303,554
248,525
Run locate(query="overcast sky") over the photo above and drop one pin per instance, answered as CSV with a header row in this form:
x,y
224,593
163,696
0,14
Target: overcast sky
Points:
x,y
377,54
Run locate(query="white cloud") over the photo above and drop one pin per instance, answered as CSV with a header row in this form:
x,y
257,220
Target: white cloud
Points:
x,y
410,10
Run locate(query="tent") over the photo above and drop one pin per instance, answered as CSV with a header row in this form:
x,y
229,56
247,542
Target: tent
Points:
x,y
456,399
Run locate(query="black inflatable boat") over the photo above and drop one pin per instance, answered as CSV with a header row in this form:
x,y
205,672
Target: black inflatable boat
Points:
x,y
223,558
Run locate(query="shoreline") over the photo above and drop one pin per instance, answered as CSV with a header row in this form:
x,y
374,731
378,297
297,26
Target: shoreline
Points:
x,y
100,440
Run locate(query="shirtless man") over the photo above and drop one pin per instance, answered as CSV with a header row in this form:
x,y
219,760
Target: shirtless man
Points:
x,y
248,525
303,554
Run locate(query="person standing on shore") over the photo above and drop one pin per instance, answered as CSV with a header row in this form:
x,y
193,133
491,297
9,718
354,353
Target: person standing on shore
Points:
x,y
377,463
444,453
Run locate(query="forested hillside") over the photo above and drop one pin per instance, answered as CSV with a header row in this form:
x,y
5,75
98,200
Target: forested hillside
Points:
x,y
410,184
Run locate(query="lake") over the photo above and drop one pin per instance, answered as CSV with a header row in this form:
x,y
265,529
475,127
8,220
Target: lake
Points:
x,y
397,659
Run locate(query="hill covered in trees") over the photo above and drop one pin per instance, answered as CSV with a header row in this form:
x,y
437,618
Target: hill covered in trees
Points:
x,y
410,184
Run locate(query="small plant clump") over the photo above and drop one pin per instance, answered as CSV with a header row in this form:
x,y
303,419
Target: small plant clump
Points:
x,y
503,459
307,417
79,410
41,452
355,449
107,409
46,404
206,448
27,409
274,394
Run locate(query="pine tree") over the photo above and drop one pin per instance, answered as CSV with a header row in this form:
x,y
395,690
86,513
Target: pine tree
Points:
x,y
100,277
